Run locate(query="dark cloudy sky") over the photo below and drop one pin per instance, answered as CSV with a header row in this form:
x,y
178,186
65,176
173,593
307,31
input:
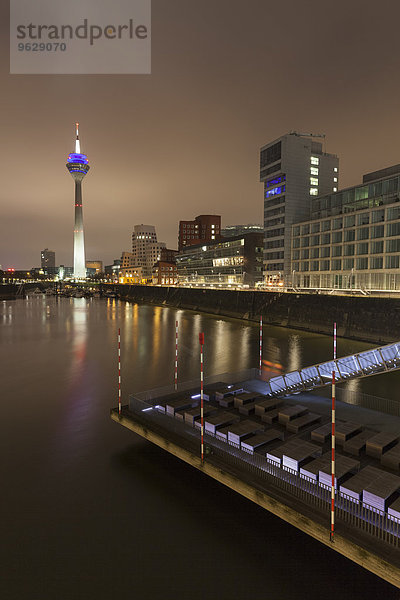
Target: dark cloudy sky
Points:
x,y
227,77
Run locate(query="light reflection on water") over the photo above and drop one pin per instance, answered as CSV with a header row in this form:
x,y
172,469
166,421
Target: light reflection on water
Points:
x,y
79,490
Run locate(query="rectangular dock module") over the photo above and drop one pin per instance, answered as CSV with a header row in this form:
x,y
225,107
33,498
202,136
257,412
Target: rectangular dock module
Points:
x,y
247,409
291,412
291,447
262,406
346,430
242,430
222,434
382,491
358,442
219,419
241,399
394,510
295,425
322,434
270,417
229,390
353,488
192,414
177,404
344,466
380,443
300,453
311,469
391,458
258,443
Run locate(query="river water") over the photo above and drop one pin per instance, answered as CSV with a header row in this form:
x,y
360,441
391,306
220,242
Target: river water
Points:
x,y
91,511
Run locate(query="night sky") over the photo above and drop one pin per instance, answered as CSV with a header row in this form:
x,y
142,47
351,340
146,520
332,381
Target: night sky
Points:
x,y
227,77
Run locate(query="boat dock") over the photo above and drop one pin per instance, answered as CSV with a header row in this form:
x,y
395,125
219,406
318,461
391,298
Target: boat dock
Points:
x,y
276,453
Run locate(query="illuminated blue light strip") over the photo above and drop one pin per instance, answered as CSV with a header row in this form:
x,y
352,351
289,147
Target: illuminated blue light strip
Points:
x,y
275,191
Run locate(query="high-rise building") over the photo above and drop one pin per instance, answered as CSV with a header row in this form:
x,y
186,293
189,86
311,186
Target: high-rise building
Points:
x,y
294,169
204,228
78,166
146,249
47,259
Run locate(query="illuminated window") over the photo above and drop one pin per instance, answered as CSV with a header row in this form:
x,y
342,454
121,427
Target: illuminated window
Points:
x,y
335,189
313,191
335,169
335,179
314,170
314,160
313,181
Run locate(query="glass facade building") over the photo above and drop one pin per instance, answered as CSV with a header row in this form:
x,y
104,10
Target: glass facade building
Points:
x,y
352,240
293,169
236,261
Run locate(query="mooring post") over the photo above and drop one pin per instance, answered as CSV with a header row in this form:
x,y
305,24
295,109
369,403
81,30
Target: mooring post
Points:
x,y
333,461
176,356
119,371
261,325
201,340
334,341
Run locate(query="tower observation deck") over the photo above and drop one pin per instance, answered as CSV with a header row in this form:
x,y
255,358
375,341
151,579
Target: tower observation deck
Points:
x,y
78,166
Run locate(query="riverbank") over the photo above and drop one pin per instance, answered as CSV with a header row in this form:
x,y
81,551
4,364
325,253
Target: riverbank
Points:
x,y
366,319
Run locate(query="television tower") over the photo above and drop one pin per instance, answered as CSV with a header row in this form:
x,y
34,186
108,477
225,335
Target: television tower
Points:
x,y
78,166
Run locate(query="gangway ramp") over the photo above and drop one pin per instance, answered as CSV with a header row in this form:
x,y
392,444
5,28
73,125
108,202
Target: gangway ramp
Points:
x,y
363,364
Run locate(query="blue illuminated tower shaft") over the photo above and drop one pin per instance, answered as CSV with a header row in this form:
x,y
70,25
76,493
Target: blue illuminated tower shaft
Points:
x,y
78,166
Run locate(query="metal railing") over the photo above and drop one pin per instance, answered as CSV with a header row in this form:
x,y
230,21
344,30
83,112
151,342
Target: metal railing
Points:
x,y
184,386
350,512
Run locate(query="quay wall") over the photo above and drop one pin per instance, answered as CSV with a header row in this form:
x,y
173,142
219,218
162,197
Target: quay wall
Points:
x,y
368,319
352,551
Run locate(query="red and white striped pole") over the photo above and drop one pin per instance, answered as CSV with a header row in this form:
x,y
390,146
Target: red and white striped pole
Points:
x,y
201,340
333,461
334,341
261,325
176,355
119,371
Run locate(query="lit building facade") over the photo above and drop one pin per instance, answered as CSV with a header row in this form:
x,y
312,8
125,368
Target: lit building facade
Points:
x,y
146,250
165,273
204,228
237,261
97,265
233,230
294,169
47,259
351,240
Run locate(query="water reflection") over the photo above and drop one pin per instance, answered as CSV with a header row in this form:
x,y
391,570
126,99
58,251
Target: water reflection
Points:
x,y
294,356
74,427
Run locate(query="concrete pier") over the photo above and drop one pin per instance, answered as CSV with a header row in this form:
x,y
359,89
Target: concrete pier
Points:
x,y
369,552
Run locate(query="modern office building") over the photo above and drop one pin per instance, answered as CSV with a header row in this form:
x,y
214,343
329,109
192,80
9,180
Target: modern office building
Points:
x,y
78,166
293,168
233,230
204,228
236,261
47,259
351,239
